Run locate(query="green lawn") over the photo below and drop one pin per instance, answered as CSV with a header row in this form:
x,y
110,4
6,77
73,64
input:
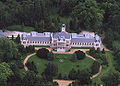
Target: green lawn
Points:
x,y
64,67
19,28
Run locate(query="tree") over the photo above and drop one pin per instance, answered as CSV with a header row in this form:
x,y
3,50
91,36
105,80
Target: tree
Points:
x,y
17,40
51,69
80,54
95,67
98,50
21,49
65,77
108,40
12,37
9,50
60,76
103,51
89,15
72,75
112,79
32,67
55,84
42,53
30,49
5,72
50,56
92,51
74,57
83,78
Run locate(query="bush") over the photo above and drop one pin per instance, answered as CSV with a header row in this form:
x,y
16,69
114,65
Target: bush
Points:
x,y
42,53
74,57
80,55
50,56
95,68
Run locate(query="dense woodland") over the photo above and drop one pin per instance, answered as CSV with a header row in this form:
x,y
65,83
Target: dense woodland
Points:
x,y
99,16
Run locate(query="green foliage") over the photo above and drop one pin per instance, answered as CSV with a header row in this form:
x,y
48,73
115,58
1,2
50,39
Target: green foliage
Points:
x,y
50,56
60,76
112,79
8,50
95,68
89,14
20,28
32,67
51,69
72,75
17,40
5,71
80,54
74,57
42,53
83,78
30,49
55,84
92,51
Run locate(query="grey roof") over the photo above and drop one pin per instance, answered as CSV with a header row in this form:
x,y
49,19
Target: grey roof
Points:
x,y
30,38
83,40
61,34
1,33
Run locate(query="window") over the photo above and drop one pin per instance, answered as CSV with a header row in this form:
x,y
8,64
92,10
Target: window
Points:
x,y
24,42
97,44
67,41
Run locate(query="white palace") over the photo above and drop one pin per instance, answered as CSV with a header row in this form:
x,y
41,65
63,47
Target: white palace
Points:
x,y
61,41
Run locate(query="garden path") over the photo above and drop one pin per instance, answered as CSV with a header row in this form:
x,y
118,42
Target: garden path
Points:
x,y
64,82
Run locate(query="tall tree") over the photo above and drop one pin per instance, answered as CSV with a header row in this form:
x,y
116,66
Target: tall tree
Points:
x,y
5,72
89,15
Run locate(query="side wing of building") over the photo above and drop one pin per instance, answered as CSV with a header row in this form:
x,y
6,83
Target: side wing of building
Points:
x,y
34,38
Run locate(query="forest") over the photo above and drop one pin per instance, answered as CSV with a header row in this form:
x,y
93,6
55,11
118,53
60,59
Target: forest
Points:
x,y
99,16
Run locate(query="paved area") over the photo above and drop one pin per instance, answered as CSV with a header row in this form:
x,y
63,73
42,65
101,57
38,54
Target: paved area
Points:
x,y
63,82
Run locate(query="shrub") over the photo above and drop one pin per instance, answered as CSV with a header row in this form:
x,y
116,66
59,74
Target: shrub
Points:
x,y
42,53
80,54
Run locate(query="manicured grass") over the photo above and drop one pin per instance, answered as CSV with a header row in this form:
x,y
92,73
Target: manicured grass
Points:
x,y
19,28
64,67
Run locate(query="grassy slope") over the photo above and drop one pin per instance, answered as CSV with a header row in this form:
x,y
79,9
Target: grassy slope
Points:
x,y
64,67
19,28
106,70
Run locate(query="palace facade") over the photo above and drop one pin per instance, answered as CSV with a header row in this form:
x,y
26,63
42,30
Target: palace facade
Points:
x,y
61,41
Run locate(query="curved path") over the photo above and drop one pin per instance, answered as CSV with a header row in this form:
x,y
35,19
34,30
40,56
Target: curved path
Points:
x,y
25,61
71,52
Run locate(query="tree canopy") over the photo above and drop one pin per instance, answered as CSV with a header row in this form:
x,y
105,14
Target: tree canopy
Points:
x,y
89,14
